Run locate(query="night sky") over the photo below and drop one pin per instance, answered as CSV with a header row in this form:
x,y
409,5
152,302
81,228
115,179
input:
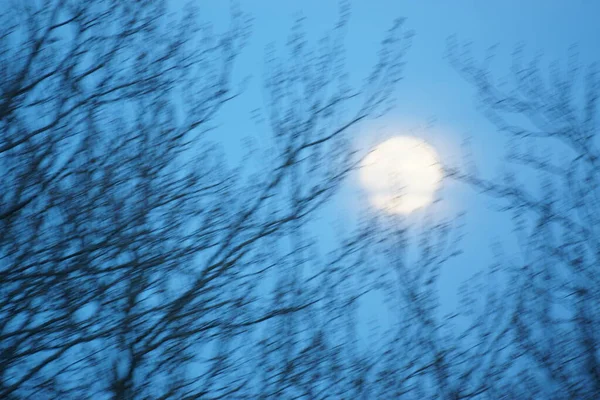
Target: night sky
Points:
x,y
433,101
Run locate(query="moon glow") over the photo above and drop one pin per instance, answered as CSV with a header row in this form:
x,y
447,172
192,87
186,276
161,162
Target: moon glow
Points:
x,y
401,175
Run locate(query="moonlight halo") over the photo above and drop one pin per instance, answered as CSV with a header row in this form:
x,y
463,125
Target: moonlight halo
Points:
x,y
401,174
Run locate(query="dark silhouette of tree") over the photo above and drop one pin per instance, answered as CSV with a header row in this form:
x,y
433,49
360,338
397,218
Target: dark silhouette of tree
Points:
x,y
133,262
543,319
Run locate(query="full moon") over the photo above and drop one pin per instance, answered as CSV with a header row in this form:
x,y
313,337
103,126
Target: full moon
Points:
x,y
401,175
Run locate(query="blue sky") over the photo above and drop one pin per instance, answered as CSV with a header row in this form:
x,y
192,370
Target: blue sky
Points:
x,y
433,101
